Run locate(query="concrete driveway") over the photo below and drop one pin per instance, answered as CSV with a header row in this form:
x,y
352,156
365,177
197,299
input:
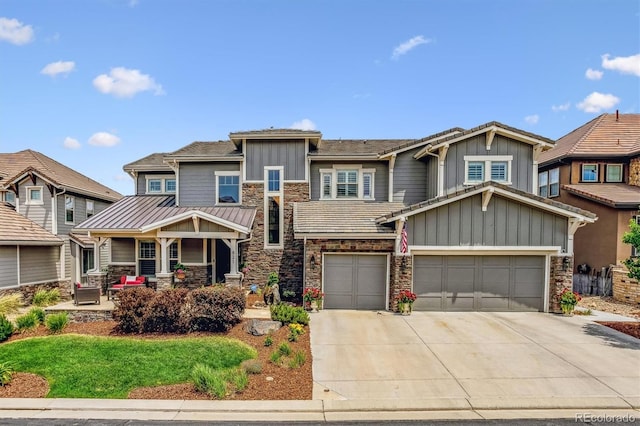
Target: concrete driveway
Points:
x,y
485,360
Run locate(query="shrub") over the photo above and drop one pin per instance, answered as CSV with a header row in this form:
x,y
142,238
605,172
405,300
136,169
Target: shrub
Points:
x,y
275,357
46,297
284,349
10,303
212,309
252,366
298,360
55,323
268,341
132,304
162,314
6,328
39,313
295,330
289,314
206,379
26,322
238,378
6,373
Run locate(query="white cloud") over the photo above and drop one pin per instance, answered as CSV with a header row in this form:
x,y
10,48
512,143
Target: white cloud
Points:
x,y
592,74
125,83
625,65
71,143
104,139
532,119
408,45
597,102
304,124
15,32
60,67
563,107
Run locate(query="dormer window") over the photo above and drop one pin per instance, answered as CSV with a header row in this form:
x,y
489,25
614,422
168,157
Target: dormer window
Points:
x,y
10,197
34,195
589,172
482,168
161,185
614,172
347,182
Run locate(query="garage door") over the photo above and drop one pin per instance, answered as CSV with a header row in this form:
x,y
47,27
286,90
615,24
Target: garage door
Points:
x,y
479,283
354,281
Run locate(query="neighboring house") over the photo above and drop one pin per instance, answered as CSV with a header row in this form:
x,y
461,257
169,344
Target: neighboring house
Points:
x,y
42,201
597,167
452,216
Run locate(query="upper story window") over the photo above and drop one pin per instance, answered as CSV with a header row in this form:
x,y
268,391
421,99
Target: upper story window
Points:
x,y
90,208
34,195
10,197
481,168
614,172
589,173
349,182
161,185
228,188
69,208
273,207
549,183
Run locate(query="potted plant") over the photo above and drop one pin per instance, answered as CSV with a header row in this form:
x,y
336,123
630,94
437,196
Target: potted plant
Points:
x,y
180,271
568,301
312,298
405,301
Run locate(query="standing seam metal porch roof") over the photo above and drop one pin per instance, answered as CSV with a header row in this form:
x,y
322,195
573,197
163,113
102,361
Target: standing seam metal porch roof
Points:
x,y
135,212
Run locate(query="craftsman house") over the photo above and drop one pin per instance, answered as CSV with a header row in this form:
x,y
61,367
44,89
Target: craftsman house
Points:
x,y
454,216
41,200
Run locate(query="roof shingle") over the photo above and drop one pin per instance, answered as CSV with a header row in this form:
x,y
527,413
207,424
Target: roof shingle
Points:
x,y
16,229
617,195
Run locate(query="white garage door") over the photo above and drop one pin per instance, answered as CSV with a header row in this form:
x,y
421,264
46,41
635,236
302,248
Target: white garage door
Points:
x,y
355,281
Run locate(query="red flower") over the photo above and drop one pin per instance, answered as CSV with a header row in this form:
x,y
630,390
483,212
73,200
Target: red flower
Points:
x,y
406,296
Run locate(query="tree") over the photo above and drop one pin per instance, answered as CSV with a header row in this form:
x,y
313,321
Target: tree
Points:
x,y
633,237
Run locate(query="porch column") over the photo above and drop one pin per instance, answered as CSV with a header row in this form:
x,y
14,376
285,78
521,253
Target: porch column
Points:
x,y
234,257
164,261
233,278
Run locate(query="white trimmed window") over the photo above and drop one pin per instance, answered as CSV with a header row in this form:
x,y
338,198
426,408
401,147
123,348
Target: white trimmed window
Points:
x,y
34,195
614,172
482,168
174,255
589,173
69,209
228,188
347,182
273,207
549,183
10,197
90,208
161,185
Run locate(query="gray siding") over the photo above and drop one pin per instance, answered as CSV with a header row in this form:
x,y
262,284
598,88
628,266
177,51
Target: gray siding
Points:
x,y
521,166
39,213
123,250
432,177
381,183
290,154
409,179
198,182
8,266
191,250
505,223
141,180
38,264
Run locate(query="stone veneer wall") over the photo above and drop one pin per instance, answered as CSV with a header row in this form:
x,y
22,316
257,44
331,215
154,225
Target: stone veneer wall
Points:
x,y
559,279
27,291
286,262
634,171
115,272
625,289
401,277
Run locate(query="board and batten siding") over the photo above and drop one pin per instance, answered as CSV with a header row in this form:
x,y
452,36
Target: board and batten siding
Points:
x,y
521,166
8,266
38,213
39,264
123,250
381,179
409,179
141,180
505,223
289,154
197,182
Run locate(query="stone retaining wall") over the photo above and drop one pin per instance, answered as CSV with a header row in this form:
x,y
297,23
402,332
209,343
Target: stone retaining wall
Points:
x,y
27,291
625,289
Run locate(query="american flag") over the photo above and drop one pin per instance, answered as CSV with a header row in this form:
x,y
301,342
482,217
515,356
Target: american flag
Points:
x,y
403,241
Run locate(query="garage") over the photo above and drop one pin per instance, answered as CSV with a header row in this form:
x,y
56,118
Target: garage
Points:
x,y
479,283
355,281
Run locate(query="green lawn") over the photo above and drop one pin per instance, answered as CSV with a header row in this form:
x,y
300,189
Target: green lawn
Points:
x,y
79,366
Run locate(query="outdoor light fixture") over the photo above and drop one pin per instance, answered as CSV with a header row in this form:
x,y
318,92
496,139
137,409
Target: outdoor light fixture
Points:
x,y
565,263
312,261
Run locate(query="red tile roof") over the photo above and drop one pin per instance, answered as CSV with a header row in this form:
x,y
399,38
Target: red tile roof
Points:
x,y
16,229
617,195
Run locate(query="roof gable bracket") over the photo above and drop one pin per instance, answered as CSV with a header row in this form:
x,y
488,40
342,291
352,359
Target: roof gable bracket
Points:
x,y
537,150
490,135
33,177
486,197
173,165
442,153
196,223
574,224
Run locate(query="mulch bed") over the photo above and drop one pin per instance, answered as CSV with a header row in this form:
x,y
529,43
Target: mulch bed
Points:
x,y
630,328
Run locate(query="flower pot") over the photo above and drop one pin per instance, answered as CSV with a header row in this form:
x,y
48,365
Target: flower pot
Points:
x,y
314,306
404,308
567,310
180,275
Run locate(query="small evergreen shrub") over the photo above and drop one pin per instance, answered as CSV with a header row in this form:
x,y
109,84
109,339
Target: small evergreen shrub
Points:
x,y
206,379
252,366
6,373
10,303
284,349
55,323
289,314
46,297
39,313
6,328
26,322
162,314
131,307
268,341
212,309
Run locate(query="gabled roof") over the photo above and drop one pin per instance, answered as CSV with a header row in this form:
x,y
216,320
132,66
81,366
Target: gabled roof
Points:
x,y
16,229
617,195
608,135
152,162
206,151
497,188
356,147
314,136
15,166
141,213
342,219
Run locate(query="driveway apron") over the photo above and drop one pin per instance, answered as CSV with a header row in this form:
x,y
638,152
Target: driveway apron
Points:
x,y
478,356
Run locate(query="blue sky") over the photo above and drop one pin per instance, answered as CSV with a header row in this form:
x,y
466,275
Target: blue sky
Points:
x,y
96,84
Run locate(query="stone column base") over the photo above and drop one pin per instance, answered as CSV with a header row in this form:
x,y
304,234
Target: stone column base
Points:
x,y
165,281
233,280
97,279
